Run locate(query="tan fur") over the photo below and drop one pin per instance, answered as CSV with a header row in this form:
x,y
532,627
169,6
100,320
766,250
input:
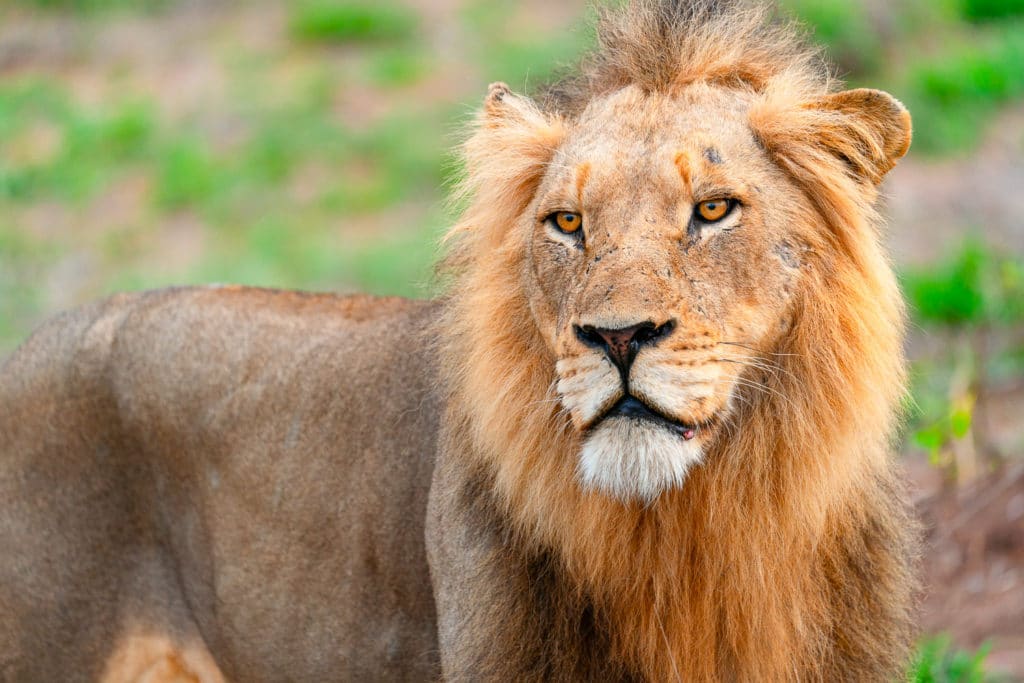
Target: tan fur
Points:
x,y
218,482
237,483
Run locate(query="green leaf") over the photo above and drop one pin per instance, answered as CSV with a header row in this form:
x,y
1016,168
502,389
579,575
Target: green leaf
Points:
x,y
960,421
931,439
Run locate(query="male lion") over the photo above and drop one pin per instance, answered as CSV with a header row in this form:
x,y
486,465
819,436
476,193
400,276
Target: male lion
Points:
x,y
645,436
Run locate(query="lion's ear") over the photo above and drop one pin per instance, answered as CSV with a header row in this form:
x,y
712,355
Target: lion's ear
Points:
x,y
501,103
867,130
505,157
503,107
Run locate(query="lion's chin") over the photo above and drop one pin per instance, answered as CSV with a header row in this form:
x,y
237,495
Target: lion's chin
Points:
x,y
635,460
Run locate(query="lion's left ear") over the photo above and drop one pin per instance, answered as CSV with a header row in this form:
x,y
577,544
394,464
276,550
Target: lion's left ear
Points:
x,y
511,144
867,130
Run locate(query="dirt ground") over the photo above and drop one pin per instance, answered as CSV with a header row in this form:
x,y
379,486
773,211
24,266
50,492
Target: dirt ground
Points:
x,y
973,564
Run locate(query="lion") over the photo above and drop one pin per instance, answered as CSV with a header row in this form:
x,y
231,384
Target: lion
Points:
x,y
644,435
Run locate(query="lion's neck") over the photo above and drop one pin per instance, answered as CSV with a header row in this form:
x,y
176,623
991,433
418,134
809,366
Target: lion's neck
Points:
x,y
728,569
739,567
699,583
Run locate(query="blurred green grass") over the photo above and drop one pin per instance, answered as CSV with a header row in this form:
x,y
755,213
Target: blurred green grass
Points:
x,y
937,661
96,6
846,29
955,96
971,298
986,10
342,21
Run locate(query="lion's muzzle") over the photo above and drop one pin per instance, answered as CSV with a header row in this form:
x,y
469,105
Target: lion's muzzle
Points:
x,y
621,345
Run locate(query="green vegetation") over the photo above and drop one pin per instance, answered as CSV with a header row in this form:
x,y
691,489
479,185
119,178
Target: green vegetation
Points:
x,y
845,27
55,149
953,98
347,20
966,298
974,286
982,10
937,662
523,59
271,205
96,6
396,67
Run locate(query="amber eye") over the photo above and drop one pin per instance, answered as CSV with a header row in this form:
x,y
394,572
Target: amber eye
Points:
x,y
567,222
713,210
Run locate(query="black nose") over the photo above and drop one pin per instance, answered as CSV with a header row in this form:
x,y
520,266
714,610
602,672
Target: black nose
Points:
x,y
622,344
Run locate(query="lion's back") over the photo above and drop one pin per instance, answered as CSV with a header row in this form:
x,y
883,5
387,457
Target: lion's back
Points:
x,y
268,451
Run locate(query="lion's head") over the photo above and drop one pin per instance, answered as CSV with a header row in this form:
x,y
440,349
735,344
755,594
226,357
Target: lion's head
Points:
x,y
668,226
672,326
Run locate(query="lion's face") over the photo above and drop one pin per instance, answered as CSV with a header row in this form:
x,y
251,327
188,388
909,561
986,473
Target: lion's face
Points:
x,y
662,266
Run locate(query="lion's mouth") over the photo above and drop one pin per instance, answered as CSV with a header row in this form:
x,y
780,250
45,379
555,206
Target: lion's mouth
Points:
x,y
633,408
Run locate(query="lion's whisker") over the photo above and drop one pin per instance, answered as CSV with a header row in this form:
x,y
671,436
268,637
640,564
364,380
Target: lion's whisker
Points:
x,y
758,351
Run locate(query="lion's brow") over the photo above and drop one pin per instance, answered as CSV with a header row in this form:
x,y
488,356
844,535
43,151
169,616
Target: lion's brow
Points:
x,y
582,177
682,162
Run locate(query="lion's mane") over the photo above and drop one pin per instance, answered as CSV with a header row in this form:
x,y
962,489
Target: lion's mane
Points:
x,y
759,564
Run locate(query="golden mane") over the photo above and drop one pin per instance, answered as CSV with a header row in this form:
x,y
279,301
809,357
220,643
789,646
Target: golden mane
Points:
x,y
741,569
665,46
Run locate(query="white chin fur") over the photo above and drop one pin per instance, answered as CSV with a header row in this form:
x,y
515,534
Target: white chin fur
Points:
x,y
635,460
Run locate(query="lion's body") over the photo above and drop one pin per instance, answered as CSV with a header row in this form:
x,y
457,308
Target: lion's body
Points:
x,y
645,436
197,466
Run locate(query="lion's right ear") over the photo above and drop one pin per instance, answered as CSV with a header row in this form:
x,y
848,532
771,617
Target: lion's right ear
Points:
x,y
503,110
506,155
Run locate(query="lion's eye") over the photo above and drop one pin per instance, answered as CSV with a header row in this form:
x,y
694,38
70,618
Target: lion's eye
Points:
x,y
567,221
713,210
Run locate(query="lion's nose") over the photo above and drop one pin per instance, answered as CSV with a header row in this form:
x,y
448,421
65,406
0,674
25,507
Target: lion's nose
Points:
x,y
622,344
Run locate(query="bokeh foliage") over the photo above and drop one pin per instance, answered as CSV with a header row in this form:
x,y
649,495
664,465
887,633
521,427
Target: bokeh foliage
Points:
x,y
937,661
339,22
972,300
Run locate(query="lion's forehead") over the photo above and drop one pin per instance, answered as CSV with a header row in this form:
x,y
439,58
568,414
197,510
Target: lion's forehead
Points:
x,y
631,121
657,142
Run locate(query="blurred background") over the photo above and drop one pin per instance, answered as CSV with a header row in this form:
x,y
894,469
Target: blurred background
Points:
x,y
305,144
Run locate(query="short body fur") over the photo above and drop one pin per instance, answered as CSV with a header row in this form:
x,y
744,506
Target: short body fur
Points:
x,y
218,481
249,484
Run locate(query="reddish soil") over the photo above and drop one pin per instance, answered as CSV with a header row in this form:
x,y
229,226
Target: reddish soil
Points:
x,y
973,563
